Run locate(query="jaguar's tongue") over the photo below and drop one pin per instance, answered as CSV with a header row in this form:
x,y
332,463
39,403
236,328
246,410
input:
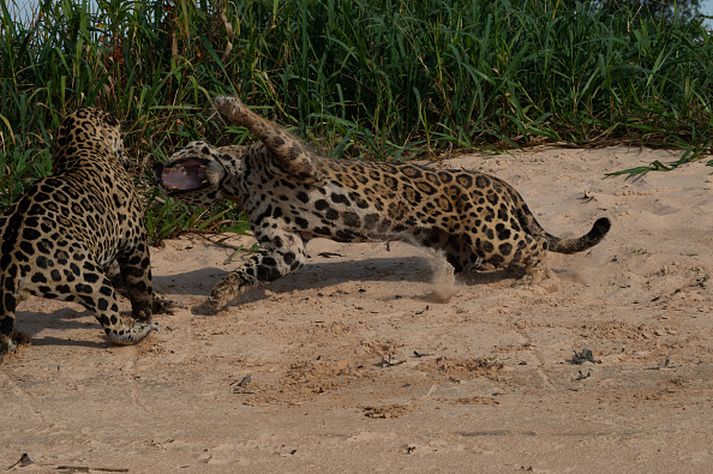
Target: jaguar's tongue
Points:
x,y
184,176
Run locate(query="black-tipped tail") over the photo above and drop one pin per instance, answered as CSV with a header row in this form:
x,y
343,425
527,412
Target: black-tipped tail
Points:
x,y
590,239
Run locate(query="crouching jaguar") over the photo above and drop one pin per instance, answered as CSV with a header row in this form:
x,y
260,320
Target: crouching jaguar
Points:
x,y
291,195
62,236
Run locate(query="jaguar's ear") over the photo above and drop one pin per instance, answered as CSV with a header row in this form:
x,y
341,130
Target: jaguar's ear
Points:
x,y
191,174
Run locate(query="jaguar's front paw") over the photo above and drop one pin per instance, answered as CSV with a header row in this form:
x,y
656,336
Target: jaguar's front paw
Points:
x,y
223,293
228,105
531,276
162,305
218,300
7,346
131,333
214,306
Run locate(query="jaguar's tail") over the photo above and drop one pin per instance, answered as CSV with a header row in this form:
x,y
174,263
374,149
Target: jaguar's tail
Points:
x,y
590,239
556,244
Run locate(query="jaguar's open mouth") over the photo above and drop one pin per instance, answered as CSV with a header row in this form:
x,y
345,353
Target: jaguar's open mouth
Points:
x,y
183,175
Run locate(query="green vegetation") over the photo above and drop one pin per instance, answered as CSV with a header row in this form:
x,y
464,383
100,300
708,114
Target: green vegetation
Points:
x,y
378,79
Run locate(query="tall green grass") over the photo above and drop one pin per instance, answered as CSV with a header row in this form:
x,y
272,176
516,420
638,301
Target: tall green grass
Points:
x,y
378,79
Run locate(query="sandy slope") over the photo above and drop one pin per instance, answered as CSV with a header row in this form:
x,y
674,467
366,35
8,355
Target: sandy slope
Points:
x,y
354,365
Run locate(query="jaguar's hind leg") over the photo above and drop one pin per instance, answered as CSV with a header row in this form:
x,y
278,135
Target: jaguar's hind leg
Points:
x,y
10,297
136,272
7,324
94,291
461,256
83,283
526,259
160,304
135,282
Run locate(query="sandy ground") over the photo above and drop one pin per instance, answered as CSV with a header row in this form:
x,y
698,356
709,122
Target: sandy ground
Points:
x,y
351,364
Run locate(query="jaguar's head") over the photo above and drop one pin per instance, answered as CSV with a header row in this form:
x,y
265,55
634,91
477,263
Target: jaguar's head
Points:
x,y
88,135
201,174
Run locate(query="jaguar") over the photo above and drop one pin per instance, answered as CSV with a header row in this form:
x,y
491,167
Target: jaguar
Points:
x,y
292,194
63,236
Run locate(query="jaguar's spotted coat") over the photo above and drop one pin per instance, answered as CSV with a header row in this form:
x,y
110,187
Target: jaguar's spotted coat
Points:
x,y
60,238
292,195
